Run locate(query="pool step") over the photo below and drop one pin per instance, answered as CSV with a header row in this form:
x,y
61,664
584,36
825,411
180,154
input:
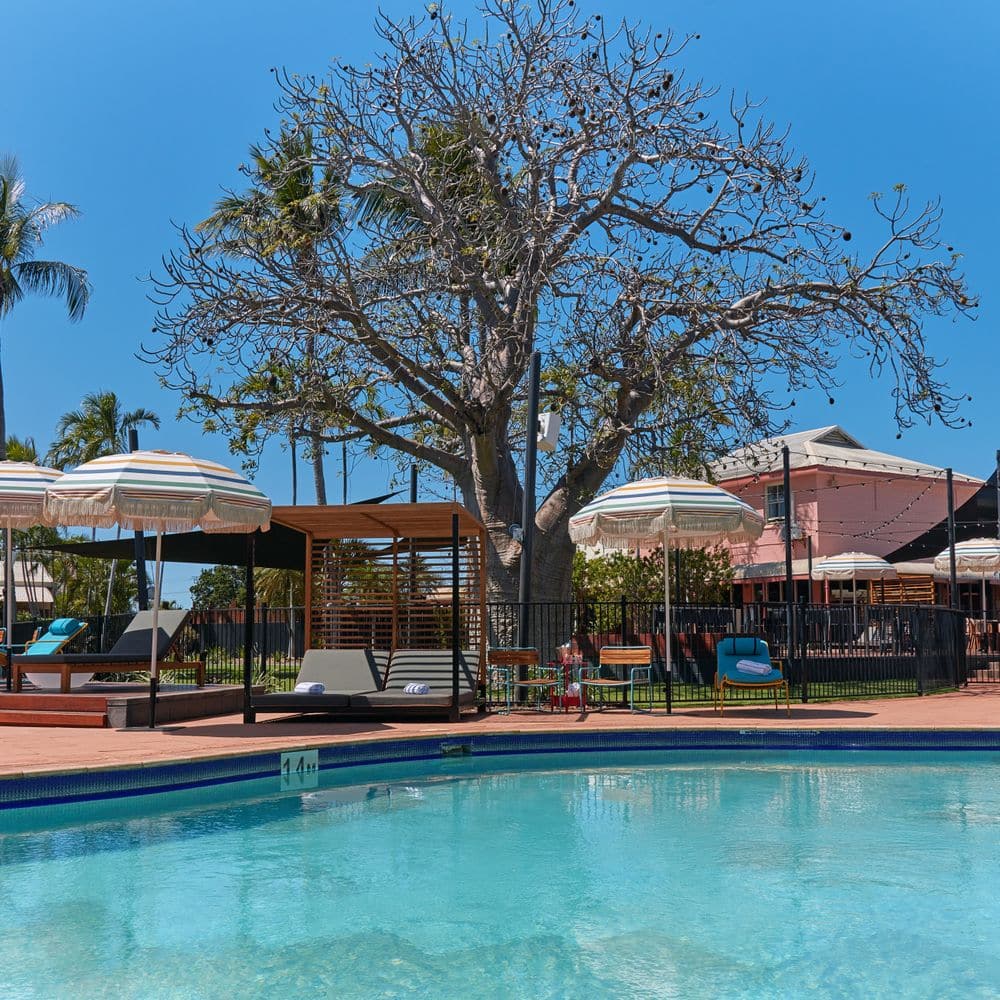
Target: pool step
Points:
x,y
71,710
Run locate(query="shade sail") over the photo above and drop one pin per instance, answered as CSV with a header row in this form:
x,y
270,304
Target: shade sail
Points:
x,y
280,548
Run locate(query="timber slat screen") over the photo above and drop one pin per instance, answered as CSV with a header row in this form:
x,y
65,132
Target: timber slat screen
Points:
x,y
367,594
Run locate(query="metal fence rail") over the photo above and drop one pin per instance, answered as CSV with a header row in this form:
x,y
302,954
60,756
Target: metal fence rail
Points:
x,y
836,651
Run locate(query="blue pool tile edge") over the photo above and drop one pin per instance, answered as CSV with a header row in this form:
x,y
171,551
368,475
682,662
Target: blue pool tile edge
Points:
x,y
79,786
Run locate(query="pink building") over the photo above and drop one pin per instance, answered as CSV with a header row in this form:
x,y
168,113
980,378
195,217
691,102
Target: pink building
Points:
x,y
845,498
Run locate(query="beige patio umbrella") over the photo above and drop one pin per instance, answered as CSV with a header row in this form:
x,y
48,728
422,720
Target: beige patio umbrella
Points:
x,y
977,555
673,511
157,491
853,566
22,502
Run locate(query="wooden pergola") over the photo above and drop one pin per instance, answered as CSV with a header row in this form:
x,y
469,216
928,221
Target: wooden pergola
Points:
x,y
381,575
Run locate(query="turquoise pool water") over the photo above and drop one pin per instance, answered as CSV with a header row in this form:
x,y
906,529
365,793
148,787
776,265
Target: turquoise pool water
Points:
x,y
709,874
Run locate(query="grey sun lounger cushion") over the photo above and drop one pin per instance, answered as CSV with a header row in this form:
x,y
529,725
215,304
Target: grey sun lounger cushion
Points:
x,y
134,646
343,671
423,666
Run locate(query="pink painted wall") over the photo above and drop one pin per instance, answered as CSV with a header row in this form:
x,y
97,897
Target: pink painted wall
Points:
x,y
837,508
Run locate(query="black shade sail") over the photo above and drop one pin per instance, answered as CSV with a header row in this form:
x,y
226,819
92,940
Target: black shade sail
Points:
x,y
280,548
976,518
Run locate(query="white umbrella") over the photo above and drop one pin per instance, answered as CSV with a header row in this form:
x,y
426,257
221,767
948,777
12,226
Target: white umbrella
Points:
x,y
22,501
977,555
853,566
676,512
157,491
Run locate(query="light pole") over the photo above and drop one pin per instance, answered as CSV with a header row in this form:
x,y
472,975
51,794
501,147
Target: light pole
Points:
x,y
528,505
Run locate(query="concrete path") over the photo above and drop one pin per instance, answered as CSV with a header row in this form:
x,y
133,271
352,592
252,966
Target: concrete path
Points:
x,y
34,750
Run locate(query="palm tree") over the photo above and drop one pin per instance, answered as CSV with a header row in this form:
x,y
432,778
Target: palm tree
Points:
x,y
99,427
291,206
22,227
22,449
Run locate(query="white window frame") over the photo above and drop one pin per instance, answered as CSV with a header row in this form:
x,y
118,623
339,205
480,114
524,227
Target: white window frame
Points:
x,y
770,503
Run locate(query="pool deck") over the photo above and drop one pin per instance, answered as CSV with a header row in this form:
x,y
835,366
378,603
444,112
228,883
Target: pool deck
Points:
x,y
30,750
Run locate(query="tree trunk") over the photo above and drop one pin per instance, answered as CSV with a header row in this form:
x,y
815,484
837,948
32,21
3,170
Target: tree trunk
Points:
x,y
3,419
319,477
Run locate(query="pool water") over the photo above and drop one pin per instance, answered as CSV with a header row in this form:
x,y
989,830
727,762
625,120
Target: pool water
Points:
x,y
710,874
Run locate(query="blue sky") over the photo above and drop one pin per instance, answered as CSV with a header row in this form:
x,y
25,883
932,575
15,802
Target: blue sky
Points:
x,y
138,113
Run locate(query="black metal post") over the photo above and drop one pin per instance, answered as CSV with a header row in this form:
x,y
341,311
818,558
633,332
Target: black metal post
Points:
x,y
413,483
952,575
528,507
262,661
809,566
295,471
789,582
456,651
248,712
142,584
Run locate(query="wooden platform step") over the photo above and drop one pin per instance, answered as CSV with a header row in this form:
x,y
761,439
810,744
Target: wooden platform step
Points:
x,y
45,702
65,718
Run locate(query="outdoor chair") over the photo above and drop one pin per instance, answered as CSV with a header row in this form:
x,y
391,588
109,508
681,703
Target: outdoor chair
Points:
x,y
512,662
343,672
611,660
735,650
130,654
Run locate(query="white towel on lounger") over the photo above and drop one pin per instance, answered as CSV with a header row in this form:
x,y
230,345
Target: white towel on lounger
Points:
x,y
416,689
309,687
752,667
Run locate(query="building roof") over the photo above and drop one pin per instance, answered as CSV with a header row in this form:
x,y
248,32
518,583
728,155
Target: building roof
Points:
x,y
831,447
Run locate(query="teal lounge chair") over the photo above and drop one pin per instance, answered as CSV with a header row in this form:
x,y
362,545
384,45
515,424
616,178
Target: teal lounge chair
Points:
x,y
749,649
58,634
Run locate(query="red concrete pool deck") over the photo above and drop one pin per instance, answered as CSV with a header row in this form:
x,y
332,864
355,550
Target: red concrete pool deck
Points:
x,y
30,750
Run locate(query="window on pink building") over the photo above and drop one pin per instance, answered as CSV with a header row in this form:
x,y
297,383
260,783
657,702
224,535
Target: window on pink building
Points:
x,y
774,502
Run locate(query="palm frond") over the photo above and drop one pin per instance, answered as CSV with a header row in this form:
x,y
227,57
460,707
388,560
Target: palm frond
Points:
x,y
54,278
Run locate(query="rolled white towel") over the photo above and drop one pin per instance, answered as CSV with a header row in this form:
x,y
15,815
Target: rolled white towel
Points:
x,y
309,687
416,689
752,667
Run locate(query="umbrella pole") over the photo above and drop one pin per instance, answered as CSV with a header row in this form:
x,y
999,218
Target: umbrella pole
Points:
x,y
154,678
9,596
666,625
984,602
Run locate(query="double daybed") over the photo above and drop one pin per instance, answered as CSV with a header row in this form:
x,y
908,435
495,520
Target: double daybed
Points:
x,y
374,682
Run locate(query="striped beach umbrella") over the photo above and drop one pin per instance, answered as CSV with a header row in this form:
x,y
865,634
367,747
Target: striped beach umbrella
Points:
x,y
853,566
977,555
22,505
157,491
673,511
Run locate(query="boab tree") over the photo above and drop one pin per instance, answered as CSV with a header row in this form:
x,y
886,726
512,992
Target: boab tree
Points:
x,y
544,181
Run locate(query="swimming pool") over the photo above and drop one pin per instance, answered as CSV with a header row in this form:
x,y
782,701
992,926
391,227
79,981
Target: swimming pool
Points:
x,y
686,873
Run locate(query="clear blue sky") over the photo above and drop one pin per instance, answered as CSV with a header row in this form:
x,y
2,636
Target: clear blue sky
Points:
x,y
139,112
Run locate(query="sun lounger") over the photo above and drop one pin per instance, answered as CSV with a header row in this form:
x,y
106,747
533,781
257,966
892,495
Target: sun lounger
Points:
x,y
343,672
130,654
432,667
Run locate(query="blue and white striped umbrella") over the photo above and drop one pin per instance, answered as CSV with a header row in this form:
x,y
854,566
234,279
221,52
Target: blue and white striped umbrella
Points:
x,y
671,510
977,555
159,491
853,566
22,505
679,511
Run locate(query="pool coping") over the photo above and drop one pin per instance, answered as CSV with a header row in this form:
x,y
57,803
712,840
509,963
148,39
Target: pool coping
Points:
x,y
56,787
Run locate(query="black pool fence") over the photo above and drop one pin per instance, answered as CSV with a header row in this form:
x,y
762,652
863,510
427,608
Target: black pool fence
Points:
x,y
836,651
